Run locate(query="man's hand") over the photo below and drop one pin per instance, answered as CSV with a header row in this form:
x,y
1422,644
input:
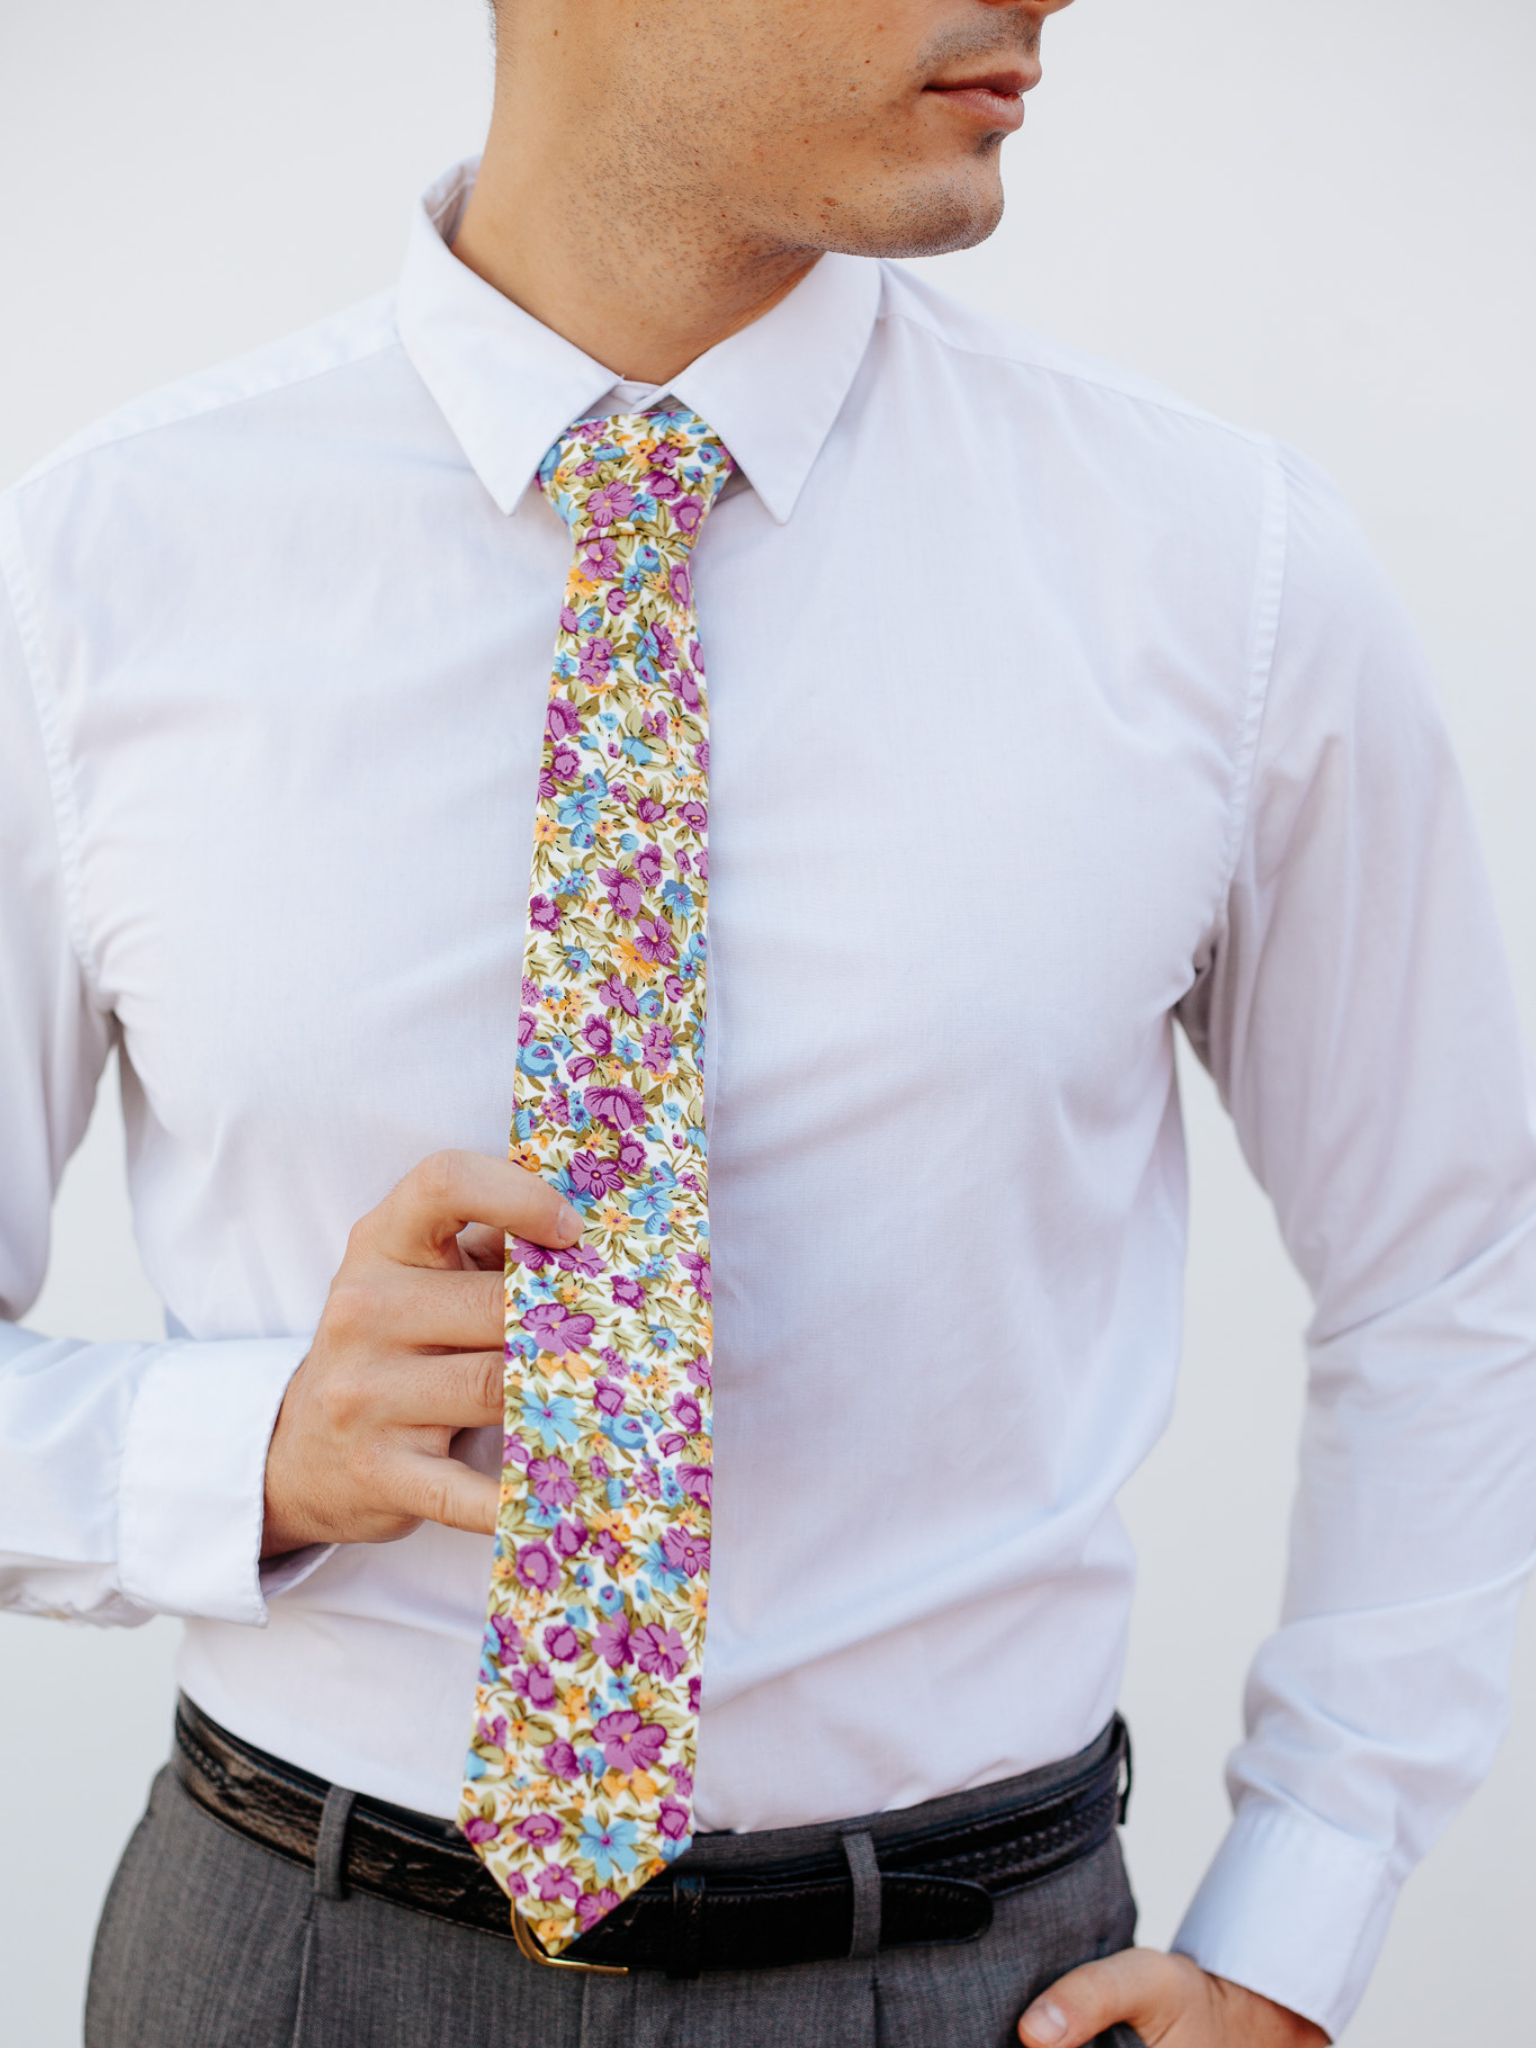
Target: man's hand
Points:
x,y
1168,2000
408,1352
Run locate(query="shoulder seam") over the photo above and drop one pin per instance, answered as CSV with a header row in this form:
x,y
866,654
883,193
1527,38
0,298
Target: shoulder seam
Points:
x,y
16,582
1169,402
91,440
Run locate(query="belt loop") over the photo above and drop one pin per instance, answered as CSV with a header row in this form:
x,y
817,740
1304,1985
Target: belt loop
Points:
x,y
864,1869
1125,1759
331,1844
685,1951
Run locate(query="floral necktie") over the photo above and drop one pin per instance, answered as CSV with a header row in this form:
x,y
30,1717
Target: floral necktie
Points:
x,y
579,1781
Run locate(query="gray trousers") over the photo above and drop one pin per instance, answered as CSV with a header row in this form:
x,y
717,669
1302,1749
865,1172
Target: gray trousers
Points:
x,y
208,1940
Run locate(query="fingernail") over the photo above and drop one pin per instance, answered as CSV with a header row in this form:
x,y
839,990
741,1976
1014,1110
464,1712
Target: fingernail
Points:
x,y
570,1221
1046,2022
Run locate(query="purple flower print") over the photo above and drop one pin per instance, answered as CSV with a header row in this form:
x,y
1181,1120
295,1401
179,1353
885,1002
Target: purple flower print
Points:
x,y
618,997
607,1397
662,486
658,1048
536,1566
625,892
626,1292
543,915
596,659
688,1414
568,1537
478,1830
553,1486
541,1687
682,1777
517,1884
540,1827
608,1547
579,1069
559,1759
697,1269
687,512
695,1481
616,601
620,1108
513,1450
610,502
492,1732
680,583
562,720
631,1155
647,1480
555,1880
664,455
648,865
654,940
600,560
629,1744
600,1469
666,646
594,1906
593,1175
672,1820
695,1703
509,1637
562,1645
687,689
611,1640
701,751
670,1444
564,764
660,1650
526,1026
598,1033
569,623
554,1328
693,813
685,1552
675,988
700,1372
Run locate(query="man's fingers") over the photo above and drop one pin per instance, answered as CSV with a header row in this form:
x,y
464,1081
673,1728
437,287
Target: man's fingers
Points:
x,y
443,1490
1139,1988
410,1306
463,1390
418,1221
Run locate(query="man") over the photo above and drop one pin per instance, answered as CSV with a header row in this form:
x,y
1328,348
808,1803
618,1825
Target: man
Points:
x,y
1041,710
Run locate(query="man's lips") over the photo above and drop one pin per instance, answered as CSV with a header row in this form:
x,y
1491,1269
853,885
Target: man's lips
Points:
x,y
996,97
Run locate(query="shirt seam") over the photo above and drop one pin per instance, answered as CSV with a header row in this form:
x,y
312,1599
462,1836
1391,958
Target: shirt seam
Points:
x,y
93,440
63,807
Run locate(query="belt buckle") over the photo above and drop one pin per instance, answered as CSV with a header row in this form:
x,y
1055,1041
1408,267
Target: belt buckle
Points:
x,y
536,1952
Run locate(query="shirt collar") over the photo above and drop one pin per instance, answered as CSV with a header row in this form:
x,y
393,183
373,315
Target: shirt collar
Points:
x,y
509,386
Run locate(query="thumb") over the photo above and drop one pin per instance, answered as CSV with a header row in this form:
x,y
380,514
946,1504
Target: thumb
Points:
x,y
1140,1988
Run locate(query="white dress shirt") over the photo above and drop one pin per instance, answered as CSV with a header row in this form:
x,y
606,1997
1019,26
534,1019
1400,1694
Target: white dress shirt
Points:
x,y
1045,710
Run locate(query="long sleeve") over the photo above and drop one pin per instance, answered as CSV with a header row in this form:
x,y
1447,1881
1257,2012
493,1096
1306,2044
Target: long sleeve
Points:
x,y
130,1474
1358,1018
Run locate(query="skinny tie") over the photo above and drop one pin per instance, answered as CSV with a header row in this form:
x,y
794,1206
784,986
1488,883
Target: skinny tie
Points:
x,y
579,1780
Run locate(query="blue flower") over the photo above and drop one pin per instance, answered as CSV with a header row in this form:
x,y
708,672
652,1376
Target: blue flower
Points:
x,y
627,1431
629,841
576,1616
578,813
590,619
565,666
654,1204
523,1123
636,749
648,559
610,1599
579,1198
536,1060
677,896
650,1004
593,1762
554,1420
522,1346
663,1338
578,959
597,782
608,720
583,1576
655,1563
536,1511
474,1766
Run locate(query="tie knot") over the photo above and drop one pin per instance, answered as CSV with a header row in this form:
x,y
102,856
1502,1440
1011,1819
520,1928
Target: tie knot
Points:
x,y
650,473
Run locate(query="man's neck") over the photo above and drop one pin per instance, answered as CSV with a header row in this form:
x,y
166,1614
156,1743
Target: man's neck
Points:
x,y
618,267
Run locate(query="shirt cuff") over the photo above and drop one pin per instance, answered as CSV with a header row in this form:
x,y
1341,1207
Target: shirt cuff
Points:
x,y
193,1477
1293,1909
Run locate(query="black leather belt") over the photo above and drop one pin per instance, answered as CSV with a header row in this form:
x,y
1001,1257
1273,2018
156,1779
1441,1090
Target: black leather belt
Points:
x,y
919,1884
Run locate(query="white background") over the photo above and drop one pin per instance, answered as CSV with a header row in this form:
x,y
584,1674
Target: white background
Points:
x,y
1314,218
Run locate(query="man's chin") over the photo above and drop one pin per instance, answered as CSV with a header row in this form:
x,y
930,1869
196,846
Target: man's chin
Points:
x,y
931,221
